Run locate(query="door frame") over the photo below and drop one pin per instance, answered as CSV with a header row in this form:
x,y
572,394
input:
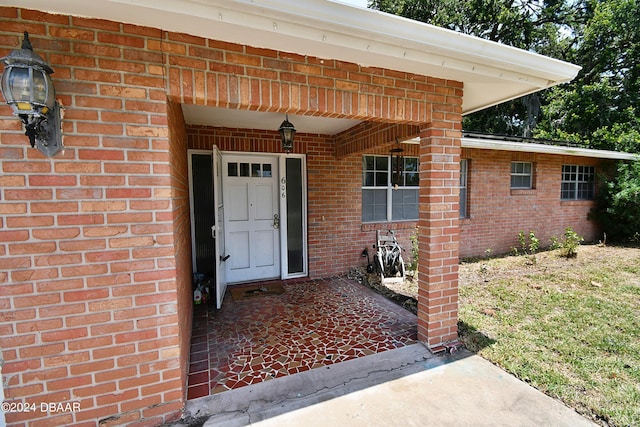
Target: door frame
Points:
x,y
283,217
284,272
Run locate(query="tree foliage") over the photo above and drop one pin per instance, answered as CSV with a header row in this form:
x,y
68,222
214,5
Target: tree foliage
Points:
x,y
541,26
600,107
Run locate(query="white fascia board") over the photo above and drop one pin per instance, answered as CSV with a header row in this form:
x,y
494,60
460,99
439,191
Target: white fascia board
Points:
x,y
527,147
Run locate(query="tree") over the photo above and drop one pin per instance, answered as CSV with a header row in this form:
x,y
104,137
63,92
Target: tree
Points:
x,y
600,108
541,26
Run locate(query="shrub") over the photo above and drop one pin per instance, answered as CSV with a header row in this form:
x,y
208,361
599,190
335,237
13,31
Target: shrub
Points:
x,y
618,204
530,247
569,246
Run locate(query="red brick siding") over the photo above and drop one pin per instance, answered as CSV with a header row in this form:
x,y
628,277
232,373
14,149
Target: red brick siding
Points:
x,y
91,270
497,213
439,232
244,77
182,241
94,243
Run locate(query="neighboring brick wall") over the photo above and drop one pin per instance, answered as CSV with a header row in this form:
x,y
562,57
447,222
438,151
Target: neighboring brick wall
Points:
x,y
497,213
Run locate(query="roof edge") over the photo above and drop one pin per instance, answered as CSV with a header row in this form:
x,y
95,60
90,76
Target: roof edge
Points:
x,y
528,147
330,23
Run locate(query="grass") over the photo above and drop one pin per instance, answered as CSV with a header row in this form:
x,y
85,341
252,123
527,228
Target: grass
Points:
x,y
569,327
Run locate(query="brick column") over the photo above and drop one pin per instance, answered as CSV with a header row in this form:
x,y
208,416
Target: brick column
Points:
x,y
439,234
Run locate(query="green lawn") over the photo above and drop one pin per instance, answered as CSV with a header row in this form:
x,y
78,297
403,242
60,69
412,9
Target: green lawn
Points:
x,y
569,327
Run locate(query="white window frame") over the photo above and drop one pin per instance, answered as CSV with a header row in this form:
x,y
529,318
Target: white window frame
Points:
x,y
389,188
464,188
578,171
522,173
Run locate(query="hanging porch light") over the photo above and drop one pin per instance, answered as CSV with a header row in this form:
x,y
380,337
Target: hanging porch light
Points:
x,y
27,87
287,130
397,165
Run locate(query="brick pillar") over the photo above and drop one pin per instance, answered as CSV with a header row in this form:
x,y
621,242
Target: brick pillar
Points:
x,y
439,234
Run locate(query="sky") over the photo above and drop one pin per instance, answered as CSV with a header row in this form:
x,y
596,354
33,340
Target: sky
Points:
x,y
361,3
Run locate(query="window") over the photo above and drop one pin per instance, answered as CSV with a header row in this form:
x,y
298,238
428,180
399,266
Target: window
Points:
x,y
382,201
249,169
521,175
578,182
464,173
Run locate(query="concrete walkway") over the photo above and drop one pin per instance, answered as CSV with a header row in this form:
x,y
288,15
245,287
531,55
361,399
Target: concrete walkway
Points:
x,y
403,387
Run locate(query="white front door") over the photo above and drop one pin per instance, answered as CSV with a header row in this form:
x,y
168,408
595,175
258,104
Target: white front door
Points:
x,y
252,217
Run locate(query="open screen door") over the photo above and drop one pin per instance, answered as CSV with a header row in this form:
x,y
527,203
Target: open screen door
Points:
x,y
217,231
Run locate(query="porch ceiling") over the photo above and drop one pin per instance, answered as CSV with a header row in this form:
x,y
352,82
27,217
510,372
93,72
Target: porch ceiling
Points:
x,y
233,118
492,73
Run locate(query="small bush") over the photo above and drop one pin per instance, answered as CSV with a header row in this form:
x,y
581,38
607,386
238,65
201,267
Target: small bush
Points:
x,y
569,246
534,243
529,244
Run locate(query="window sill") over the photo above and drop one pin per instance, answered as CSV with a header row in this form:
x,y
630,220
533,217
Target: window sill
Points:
x,y
395,225
523,192
576,202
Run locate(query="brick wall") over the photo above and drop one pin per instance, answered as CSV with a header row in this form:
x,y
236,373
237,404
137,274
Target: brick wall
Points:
x,y
90,270
94,295
497,213
179,320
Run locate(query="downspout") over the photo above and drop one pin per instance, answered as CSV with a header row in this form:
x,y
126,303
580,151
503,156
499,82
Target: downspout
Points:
x,y
3,422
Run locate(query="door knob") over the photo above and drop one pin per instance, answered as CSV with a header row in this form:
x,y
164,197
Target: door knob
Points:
x,y
276,221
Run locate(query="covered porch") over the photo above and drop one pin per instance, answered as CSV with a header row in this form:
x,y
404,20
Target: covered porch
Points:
x,y
304,324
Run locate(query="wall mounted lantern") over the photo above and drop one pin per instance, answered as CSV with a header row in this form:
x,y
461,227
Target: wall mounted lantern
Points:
x,y
28,89
287,130
397,165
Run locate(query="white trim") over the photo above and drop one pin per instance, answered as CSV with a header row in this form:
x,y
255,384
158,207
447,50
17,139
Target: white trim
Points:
x,y
284,250
491,72
491,144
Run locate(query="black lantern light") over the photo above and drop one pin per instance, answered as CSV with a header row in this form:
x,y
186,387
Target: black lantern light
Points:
x,y
397,165
287,130
28,89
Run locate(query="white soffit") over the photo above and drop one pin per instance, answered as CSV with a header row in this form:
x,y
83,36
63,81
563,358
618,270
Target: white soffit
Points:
x,y
492,73
490,144
226,117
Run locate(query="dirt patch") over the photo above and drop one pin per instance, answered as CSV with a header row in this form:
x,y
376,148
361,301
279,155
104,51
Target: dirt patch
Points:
x,y
483,270
403,293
